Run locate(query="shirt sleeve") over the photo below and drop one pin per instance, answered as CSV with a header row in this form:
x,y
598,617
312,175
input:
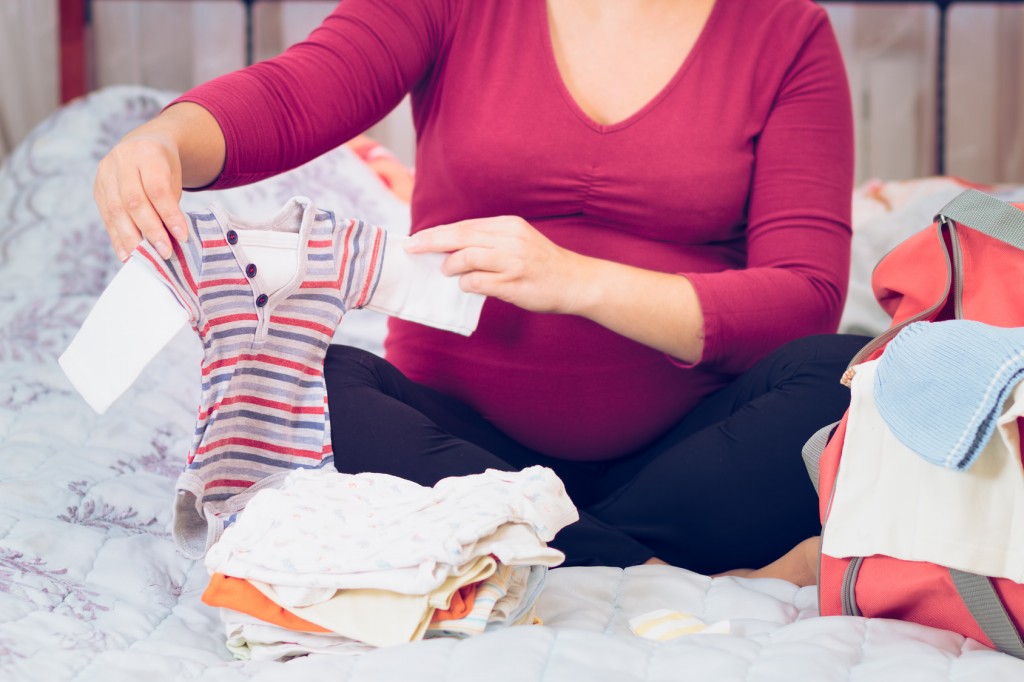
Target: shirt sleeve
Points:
x,y
347,75
798,232
412,287
134,318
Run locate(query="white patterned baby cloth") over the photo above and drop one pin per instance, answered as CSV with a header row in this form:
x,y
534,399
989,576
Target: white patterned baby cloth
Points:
x,y
320,531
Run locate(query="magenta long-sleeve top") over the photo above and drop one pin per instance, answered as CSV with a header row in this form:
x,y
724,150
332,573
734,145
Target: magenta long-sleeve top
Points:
x,y
737,175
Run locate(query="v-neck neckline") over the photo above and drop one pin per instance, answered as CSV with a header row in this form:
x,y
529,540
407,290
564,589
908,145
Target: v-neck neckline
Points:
x,y
541,6
257,284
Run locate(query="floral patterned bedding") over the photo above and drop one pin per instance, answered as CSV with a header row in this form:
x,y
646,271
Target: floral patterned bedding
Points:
x,y
91,587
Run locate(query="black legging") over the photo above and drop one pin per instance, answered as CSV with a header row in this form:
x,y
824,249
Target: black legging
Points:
x,y
725,488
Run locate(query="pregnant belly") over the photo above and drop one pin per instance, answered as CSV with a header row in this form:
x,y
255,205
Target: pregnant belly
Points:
x,y
560,385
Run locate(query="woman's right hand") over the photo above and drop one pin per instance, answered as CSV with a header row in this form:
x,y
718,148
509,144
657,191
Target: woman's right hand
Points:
x,y
138,189
139,183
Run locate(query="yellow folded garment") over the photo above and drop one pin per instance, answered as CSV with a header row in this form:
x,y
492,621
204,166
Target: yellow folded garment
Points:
x,y
663,625
382,617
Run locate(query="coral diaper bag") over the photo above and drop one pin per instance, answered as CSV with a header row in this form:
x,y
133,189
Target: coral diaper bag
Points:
x,y
969,265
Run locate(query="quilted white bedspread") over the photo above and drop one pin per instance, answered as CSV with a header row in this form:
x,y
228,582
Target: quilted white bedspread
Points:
x,y
91,587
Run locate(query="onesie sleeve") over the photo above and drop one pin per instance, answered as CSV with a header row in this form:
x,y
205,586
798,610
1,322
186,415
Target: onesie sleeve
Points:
x,y
347,75
361,251
379,275
181,272
412,287
132,321
798,232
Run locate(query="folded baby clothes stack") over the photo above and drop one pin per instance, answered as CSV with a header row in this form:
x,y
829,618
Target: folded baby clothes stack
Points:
x,y
341,563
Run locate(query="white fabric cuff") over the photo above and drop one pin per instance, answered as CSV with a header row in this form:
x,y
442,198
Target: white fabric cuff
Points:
x,y
412,287
134,318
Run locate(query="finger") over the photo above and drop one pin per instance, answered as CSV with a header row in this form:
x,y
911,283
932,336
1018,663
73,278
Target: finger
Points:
x,y
163,189
486,284
474,258
123,233
141,212
448,238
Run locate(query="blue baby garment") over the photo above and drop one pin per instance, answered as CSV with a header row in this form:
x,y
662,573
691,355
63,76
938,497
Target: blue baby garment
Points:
x,y
940,386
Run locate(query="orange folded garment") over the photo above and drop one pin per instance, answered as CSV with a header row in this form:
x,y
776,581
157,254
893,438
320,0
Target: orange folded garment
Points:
x,y
239,594
225,591
460,606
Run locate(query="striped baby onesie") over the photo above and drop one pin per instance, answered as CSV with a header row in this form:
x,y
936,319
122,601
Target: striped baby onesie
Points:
x,y
263,410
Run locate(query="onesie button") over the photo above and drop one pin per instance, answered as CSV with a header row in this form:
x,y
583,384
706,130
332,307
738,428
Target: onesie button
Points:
x,y
250,270
261,300
232,237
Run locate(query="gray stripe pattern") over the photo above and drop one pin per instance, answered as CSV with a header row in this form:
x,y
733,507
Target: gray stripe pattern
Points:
x,y
256,374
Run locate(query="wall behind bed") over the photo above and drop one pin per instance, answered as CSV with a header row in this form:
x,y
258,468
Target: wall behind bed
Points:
x,y
28,67
166,44
890,51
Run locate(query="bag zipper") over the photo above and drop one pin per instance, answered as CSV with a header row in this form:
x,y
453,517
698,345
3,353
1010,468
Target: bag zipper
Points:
x,y
847,585
824,523
958,266
848,591
952,281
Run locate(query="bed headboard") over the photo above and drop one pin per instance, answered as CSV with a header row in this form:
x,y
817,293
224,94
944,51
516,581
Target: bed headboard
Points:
x,y
75,21
941,52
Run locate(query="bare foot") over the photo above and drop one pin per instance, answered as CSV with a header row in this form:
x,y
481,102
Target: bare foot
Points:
x,y
799,565
655,561
737,572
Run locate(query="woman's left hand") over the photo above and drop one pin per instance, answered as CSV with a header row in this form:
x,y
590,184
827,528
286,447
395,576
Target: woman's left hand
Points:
x,y
507,258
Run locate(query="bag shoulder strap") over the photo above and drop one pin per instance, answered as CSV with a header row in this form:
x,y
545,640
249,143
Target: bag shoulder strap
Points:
x,y
987,215
987,609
